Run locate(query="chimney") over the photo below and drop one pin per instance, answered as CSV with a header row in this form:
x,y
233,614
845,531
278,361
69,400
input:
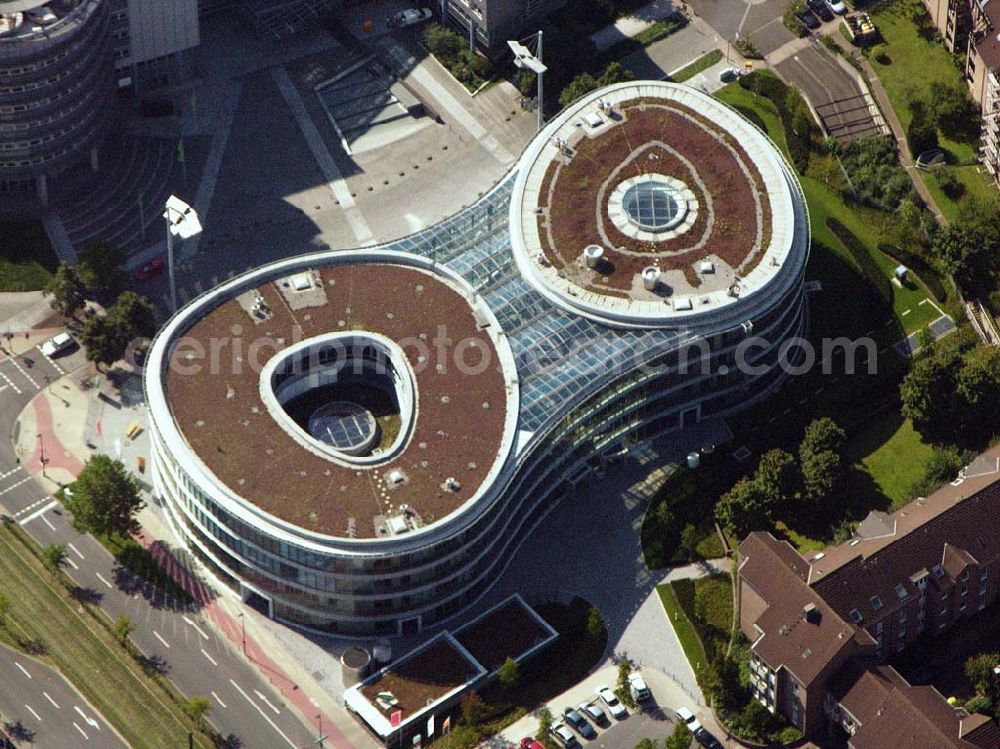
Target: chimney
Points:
x,y
809,612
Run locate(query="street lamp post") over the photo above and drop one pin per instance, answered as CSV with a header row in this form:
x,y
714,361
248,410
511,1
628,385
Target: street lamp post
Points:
x,y
181,221
243,626
41,458
533,62
319,741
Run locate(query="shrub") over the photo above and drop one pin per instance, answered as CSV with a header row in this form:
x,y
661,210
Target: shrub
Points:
x,y
796,119
745,46
876,176
919,265
922,133
942,466
950,184
869,268
789,735
791,18
979,704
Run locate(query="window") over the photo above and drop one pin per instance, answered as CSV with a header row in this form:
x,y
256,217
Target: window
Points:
x,y
876,603
855,616
901,592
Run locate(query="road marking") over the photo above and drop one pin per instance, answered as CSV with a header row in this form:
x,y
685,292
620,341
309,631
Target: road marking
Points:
x,y
70,545
101,578
263,714
210,658
71,563
157,636
46,521
49,359
39,512
14,486
264,700
196,627
11,383
54,703
218,700
81,731
32,711
28,377
89,721
23,671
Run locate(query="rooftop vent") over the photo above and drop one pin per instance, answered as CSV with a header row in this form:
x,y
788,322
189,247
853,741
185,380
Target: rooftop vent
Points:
x,y
592,255
810,612
650,277
452,484
396,477
706,266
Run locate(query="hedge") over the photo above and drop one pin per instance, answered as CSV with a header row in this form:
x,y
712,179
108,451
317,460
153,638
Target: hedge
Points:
x,y
786,100
869,268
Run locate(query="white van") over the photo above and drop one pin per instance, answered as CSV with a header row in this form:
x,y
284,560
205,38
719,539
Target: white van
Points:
x,y
637,687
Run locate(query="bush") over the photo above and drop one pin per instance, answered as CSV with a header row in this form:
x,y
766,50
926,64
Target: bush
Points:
x,y
942,466
791,18
950,184
869,268
745,46
919,265
876,175
796,119
921,133
979,704
789,735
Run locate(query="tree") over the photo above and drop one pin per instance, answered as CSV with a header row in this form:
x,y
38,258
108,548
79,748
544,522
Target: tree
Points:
x,y
595,625
928,392
134,316
197,708
105,499
820,473
728,692
689,541
755,720
647,743
473,711
121,629
443,42
55,556
615,73
822,435
509,673
99,339
622,692
66,289
776,474
544,733
979,670
580,85
744,508
978,380
922,133
956,247
680,738
100,269
108,337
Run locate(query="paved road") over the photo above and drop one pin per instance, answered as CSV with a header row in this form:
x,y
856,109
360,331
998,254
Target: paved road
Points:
x,y
42,705
833,92
194,655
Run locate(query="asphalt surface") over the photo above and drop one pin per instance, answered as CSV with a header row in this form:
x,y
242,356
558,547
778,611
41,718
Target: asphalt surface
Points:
x,y
198,659
833,92
47,707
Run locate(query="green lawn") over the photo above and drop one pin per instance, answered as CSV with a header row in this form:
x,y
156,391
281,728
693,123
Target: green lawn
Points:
x,y
138,706
683,628
977,184
27,259
701,612
704,62
893,454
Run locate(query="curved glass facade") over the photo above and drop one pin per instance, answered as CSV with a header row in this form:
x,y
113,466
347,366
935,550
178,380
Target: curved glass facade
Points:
x,y
587,391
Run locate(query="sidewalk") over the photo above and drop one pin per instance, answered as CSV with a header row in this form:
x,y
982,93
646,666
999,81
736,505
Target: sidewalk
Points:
x,y
61,416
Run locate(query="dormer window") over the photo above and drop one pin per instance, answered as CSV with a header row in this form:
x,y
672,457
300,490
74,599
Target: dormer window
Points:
x,y
901,592
855,616
876,603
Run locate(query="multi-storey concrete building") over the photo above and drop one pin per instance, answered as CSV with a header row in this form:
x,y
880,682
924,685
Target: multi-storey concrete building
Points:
x,y
55,91
902,579
640,269
493,22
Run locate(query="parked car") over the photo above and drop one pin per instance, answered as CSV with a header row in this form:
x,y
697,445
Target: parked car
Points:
x,y
637,687
580,725
408,17
57,344
809,19
592,711
821,9
728,75
562,734
615,707
707,740
686,717
837,6
153,268
531,743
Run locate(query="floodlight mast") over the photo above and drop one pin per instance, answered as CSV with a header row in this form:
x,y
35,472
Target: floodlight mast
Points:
x,y
533,62
183,221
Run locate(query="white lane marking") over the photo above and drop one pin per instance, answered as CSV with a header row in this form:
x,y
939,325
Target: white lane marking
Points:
x,y
48,358
32,711
210,658
54,703
157,636
11,383
15,485
264,700
85,737
23,671
198,629
101,578
218,700
88,721
28,377
46,521
71,563
39,512
3,387
70,545
263,714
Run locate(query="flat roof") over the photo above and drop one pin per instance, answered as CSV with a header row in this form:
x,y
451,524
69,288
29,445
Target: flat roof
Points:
x,y
460,427
590,183
511,630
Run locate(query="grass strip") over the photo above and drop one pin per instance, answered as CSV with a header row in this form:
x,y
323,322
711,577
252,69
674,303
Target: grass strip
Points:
x,y
704,62
138,706
694,651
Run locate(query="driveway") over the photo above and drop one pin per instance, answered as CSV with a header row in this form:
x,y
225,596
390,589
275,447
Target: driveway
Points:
x,y
760,20
662,58
844,108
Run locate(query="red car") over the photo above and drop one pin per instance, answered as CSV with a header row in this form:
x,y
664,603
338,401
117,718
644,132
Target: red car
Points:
x,y
151,269
529,743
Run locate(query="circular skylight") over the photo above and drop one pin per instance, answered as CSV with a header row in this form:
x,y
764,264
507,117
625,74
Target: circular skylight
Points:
x,y
653,205
344,426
